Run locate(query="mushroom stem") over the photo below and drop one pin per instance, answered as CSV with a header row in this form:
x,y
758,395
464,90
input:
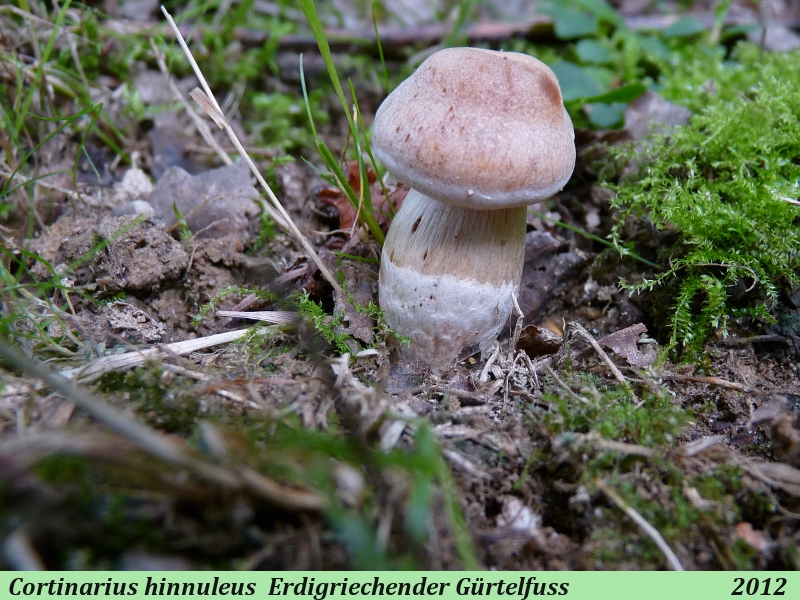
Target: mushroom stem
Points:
x,y
447,275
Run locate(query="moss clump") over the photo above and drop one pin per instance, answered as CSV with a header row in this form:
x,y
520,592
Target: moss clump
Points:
x,y
614,413
727,186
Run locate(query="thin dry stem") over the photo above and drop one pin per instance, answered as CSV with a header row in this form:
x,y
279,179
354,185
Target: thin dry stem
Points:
x,y
270,316
163,446
207,101
648,529
115,362
200,124
484,376
74,196
563,385
578,329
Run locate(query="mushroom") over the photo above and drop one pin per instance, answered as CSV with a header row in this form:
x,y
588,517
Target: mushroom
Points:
x,y
478,135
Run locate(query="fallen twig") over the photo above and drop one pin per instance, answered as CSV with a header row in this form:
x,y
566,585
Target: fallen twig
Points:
x,y
718,381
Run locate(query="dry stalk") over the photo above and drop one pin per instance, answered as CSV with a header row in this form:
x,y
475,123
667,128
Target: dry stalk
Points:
x,y
603,445
205,98
648,529
563,385
163,446
269,316
21,554
717,381
135,358
74,196
699,445
199,123
484,376
579,330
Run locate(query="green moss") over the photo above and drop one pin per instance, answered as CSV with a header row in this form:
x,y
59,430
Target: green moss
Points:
x,y
231,290
721,186
650,420
172,407
655,486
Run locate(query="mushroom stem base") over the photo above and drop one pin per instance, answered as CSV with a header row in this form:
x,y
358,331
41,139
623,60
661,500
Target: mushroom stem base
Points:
x,y
442,315
447,276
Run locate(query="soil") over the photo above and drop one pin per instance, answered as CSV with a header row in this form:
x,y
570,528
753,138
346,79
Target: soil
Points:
x,y
143,286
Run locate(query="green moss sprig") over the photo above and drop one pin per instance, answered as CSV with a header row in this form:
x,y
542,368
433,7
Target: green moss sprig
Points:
x,y
727,185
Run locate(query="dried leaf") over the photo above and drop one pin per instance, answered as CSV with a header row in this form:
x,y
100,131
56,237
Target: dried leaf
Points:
x,y
382,208
651,113
756,539
405,375
537,341
623,344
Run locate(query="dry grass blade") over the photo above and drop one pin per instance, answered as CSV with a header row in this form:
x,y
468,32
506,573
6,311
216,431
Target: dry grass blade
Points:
x,y
777,475
148,439
269,316
602,444
717,381
208,103
90,444
199,123
115,362
462,462
163,446
282,495
648,529
579,330
564,386
698,446
74,196
21,554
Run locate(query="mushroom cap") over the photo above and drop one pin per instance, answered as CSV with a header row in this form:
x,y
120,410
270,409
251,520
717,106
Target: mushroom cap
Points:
x,y
478,129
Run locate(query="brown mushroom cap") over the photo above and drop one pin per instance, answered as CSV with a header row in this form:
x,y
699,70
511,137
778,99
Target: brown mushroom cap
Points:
x,y
479,129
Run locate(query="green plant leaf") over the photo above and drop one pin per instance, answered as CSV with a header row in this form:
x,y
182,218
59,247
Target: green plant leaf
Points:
x,y
575,81
624,94
602,10
591,51
607,115
575,25
684,27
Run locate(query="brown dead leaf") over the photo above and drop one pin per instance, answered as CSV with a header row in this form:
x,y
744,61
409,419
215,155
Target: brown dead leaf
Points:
x,y
354,322
537,341
623,343
756,539
382,208
405,375
651,113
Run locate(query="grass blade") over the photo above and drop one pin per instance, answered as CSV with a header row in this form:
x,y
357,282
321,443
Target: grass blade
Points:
x,y
325,50
37,77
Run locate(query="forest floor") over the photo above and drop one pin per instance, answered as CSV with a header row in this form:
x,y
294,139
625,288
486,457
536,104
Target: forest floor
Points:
x,y
302,441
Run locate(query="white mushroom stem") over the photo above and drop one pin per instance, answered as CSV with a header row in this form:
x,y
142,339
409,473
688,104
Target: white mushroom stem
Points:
x,y
447,276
